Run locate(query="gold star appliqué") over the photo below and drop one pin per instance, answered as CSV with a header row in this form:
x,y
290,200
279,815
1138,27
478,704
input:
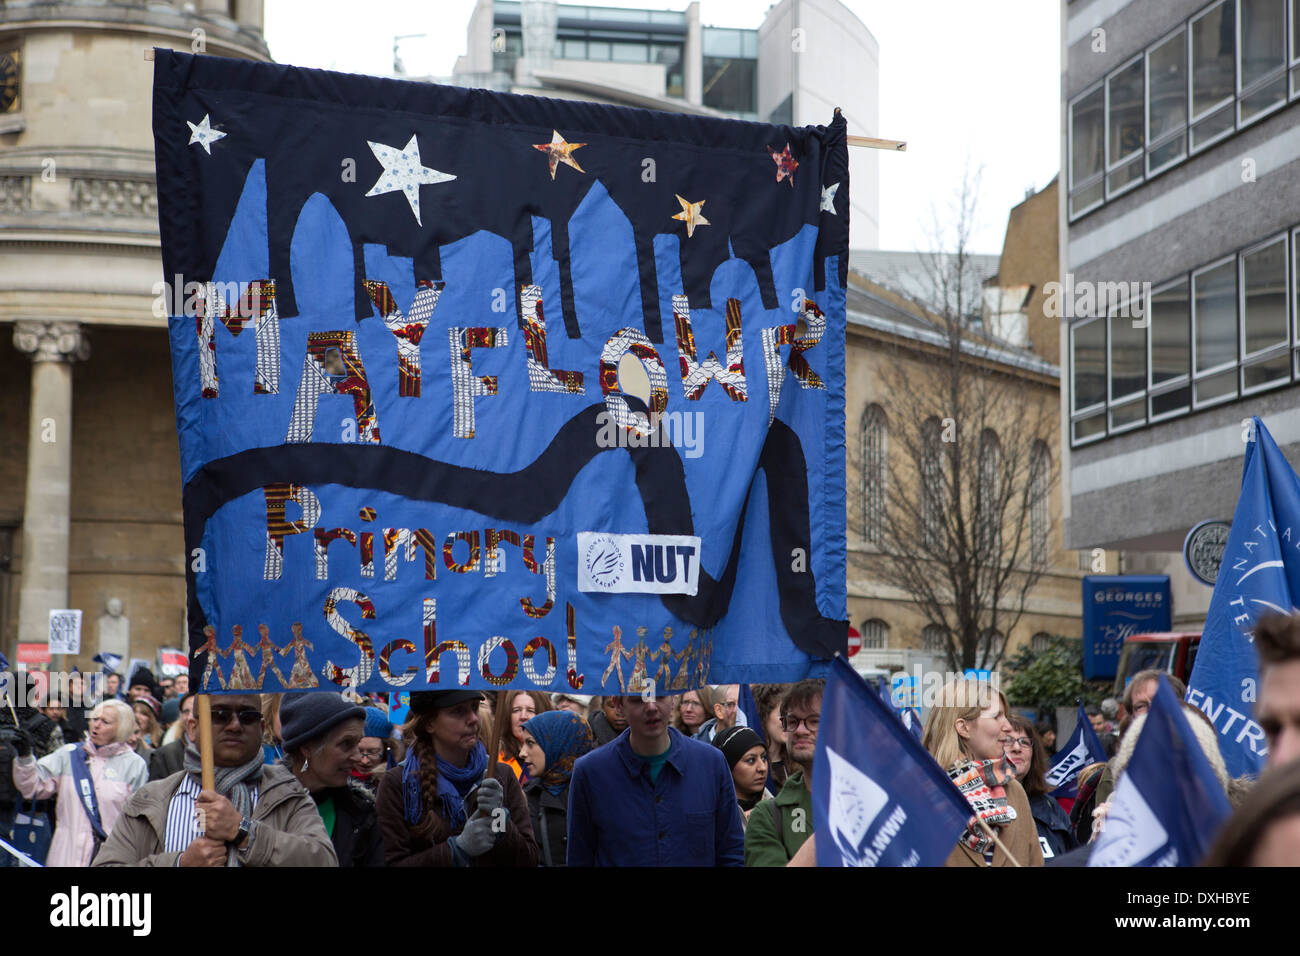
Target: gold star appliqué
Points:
x,y
558,151
691,215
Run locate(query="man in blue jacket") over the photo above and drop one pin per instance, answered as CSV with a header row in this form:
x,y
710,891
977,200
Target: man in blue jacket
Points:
x,y
653,797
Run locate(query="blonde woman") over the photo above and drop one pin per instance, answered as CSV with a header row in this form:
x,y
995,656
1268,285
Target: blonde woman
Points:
x,y
966,733
106,760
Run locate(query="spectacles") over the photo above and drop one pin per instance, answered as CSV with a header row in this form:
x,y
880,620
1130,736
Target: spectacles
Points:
x,y
1023,742
729,704
222,716
370,754
791,724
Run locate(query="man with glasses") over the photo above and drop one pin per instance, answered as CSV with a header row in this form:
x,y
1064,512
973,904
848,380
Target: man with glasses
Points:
x,y
257,814
726,700
779,828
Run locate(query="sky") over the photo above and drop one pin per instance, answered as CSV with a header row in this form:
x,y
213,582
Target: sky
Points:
x,y
968,85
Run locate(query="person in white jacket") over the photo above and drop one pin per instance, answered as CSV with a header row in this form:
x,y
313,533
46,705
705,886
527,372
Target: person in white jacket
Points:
x,y
115,771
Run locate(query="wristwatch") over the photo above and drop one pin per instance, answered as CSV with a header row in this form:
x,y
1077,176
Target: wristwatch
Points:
x,y
245,825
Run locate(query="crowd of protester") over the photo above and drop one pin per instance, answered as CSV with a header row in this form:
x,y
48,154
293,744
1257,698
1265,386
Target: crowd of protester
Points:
x,y
328,779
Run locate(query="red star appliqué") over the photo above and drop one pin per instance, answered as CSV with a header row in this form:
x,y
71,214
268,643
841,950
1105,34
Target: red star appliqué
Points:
x,y
786,164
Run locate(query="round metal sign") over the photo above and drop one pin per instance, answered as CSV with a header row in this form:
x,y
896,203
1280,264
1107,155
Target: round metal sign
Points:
x,y
1203,550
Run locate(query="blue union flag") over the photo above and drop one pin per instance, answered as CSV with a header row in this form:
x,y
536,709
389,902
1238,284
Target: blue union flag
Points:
x,y
1260,574
496,391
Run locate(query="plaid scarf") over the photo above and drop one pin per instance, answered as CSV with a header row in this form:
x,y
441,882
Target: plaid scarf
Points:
x,y
234,783
983,784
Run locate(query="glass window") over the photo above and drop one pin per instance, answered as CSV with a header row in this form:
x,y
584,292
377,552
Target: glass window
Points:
x,y
1086,149
1126,416
1040,476
1214,298
932,484
1214,73
1263,281
1128,356
1275,371
573,49
1089,364
1216,388
1179,400
1167,83
875,635
598,50
731,85
631,52
1086,429
990,492
1295,29
934,639
1124,92
1263,39
1171,341
1214,68
873,474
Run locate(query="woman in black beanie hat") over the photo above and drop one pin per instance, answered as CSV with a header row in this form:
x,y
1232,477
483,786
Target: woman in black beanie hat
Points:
x,y
747,757
321,734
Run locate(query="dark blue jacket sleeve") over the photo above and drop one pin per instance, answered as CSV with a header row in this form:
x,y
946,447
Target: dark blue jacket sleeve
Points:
x,y
582,834
730,836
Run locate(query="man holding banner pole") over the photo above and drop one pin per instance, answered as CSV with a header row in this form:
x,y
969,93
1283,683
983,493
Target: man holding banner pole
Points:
x,y
226,808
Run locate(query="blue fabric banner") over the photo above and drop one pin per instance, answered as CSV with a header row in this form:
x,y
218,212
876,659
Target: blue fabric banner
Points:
x,y
878,797
1260,574
1083,748
1168,804
449,396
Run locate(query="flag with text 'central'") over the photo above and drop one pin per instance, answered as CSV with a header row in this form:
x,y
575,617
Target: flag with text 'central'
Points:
x,y
1259,574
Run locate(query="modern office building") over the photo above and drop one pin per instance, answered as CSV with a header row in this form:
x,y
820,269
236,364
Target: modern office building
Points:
x,y
1181,151
803,59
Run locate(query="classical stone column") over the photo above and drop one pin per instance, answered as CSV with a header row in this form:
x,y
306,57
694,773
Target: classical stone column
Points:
x,y
53,347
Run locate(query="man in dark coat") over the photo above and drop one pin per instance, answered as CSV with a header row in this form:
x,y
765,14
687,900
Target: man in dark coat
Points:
x,y
169,758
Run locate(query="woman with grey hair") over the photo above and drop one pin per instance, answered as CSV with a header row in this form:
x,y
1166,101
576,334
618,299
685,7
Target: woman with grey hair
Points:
x,y
105,761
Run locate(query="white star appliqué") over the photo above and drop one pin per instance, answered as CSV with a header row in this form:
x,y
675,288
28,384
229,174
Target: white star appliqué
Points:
x,y
204,134
404,173
828,198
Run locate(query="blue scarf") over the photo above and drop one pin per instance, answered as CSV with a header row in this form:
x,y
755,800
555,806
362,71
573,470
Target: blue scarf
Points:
x,y
454,785
563,737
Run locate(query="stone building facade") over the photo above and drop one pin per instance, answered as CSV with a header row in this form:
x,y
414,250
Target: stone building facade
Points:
x,y
90,504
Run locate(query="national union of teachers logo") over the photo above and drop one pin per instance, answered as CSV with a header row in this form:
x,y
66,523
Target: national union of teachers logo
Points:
x,y
604,561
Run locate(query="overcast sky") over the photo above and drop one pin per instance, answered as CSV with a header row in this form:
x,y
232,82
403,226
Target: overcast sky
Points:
x,y
958,79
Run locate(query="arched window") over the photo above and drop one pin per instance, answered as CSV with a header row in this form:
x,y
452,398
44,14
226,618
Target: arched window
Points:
x,y
1040,466
934,639
873,474
990,492
992,644
1040,642
932,496
875,635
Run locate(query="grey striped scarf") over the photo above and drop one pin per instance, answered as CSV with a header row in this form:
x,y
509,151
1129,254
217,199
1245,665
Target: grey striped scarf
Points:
x,y
234,783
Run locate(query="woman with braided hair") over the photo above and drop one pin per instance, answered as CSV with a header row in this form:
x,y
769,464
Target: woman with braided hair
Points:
x,y
440,807
966,733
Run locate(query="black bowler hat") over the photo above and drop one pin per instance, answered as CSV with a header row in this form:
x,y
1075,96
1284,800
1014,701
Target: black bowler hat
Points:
x,y
427,701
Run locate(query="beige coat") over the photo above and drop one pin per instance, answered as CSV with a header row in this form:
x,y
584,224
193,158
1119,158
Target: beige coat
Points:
x,y
1020,837
291,831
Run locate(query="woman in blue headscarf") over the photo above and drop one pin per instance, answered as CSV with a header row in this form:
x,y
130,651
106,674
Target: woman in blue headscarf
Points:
x,y
552,741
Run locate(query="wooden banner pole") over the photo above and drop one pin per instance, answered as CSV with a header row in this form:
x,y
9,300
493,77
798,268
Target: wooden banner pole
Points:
x,y
204,702
871,142
989,831
497,720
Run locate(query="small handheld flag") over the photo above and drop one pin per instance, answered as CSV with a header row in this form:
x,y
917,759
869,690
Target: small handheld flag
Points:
x,y
1168,804
1083,748
879,799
